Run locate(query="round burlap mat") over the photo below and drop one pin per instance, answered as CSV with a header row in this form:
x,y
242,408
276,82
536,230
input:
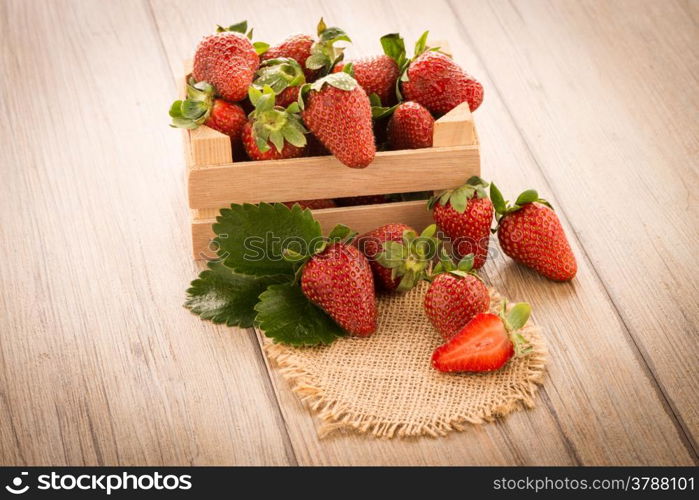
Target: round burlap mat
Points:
x,y
385,385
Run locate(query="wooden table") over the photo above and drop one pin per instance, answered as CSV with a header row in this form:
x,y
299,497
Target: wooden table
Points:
x,y
594,103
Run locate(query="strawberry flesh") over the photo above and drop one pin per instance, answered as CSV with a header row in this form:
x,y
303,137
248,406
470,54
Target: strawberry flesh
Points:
x,y
482,345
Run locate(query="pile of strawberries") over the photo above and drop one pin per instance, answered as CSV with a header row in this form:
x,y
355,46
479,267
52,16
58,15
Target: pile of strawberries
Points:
x,y
299,98
343,278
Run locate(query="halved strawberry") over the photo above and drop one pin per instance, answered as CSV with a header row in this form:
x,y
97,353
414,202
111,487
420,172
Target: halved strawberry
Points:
x,y
486,343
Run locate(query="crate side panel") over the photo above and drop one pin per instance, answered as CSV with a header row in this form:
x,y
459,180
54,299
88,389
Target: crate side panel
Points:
x,y
325,177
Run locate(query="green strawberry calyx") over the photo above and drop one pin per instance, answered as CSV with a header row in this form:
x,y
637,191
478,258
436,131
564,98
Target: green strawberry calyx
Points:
x,y
503,207
462,269
342,80
458,198
242,28
324,53
274,124
193,111
378,110
340,234
514,320
280,74
410,259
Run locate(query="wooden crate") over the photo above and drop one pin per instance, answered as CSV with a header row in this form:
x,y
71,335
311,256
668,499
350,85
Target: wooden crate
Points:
x,y
214,181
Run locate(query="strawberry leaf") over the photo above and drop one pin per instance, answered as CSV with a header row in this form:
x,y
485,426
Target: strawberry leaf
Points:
x,y
285,315
251,238
222,296
528,196
518,315
498,201
394,47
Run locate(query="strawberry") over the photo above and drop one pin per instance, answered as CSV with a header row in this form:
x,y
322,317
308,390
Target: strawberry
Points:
x,y
338,280
227,60
284,75
398,257
465,215
434,80
338,112
529,232
376,75
296,47
201,108
410,127
455,296
370,199
312,204
273,133
486,343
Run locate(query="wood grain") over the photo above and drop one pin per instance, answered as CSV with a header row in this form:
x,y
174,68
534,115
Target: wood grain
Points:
x,y
404,171
594,103
99,361
618,143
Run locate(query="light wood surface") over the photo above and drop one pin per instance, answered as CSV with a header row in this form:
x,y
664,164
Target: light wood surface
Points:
x,y
593,103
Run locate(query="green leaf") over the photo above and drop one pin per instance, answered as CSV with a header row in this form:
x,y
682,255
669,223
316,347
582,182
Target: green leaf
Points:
x,y
321,27
466,264
421,44
254,94
277,139
222,296
429,231
459,200
260,47
339,232
497,199
294,136
317,61
285,315
251,237
293,108
394,47
528,196
176,110
518,315
240,27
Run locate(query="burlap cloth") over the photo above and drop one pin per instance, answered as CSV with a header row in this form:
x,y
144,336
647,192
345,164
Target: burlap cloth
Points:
x,y
385,385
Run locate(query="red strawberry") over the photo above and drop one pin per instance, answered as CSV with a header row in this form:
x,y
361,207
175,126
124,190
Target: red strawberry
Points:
x,y
201,108
371,245
439,84
296,47
339,281
529,231
338,112
376,75
284,75
273,133
228,61
465,215
455,296
370,199
312,204
410,127
485,344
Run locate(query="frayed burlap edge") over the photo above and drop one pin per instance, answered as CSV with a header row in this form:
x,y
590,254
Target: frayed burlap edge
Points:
x,y
333,415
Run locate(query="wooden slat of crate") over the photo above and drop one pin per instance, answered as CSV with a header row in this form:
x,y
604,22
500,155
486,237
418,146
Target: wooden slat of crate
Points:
x,y
325,177
360,218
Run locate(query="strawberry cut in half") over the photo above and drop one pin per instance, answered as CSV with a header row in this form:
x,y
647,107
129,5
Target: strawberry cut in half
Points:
x,y
486,343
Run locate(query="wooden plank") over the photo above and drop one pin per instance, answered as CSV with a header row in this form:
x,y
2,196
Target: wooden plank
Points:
x,y
99,362
618,143
602,415
325,177
456,128
360,218
589,413
531,437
